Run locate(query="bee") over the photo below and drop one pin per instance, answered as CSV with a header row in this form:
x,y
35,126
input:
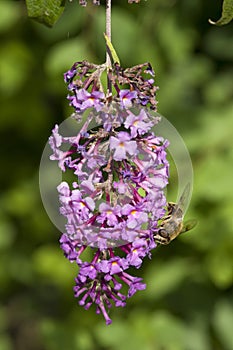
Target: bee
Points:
x,y
172,224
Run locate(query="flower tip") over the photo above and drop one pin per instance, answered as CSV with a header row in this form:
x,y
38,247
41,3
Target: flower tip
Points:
x,y
108,321
120,303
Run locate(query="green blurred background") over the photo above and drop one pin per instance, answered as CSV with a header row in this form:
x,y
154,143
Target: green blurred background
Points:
x,y
188,303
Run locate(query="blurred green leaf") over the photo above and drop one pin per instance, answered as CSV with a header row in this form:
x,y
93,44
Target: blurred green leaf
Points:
x,y
15,64
227,13
223,321
169,331
9,14
23,196
210,169
184,38
7,233
50,263
63,55
220,265
192,72
66,334
5,342
83,340
19,269
45,11
216,96
197,334
217,124
151,331
55,335
165,277
110,337
3,319
217,43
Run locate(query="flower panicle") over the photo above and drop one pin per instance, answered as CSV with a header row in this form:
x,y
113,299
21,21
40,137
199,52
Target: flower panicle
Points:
x,y
115,204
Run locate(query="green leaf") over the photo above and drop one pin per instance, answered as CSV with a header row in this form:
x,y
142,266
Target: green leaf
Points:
x,y
227,13
45,11
111,50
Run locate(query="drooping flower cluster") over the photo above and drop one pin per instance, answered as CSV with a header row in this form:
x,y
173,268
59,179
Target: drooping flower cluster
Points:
x,y
120,170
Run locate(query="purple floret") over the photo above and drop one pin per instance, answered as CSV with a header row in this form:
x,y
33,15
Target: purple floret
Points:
x,y
121,145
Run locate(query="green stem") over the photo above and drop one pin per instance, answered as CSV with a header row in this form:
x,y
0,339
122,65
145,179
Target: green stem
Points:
x,y
108,33
108,29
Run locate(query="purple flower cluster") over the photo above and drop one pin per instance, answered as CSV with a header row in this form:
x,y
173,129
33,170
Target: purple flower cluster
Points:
x,y
86,90
115,203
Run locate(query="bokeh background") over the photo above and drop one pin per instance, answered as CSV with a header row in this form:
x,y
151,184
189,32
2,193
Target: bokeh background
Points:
x,y
188,303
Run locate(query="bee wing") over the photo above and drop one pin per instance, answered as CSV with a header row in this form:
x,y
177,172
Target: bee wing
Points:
x,y
184,197
189,225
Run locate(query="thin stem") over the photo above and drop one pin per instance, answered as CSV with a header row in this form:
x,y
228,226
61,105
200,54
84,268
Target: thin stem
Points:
x,y
108,29
108,33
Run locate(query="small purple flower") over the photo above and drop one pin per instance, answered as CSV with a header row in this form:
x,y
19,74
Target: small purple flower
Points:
x,y
135,216
87,186
81,203
121,145
127,97
84,99
68,247
88,270
134,283
120,186
74,206
64,191
113,266
70,74
72,248
55,141
109,214
138,124
139,250
95,160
